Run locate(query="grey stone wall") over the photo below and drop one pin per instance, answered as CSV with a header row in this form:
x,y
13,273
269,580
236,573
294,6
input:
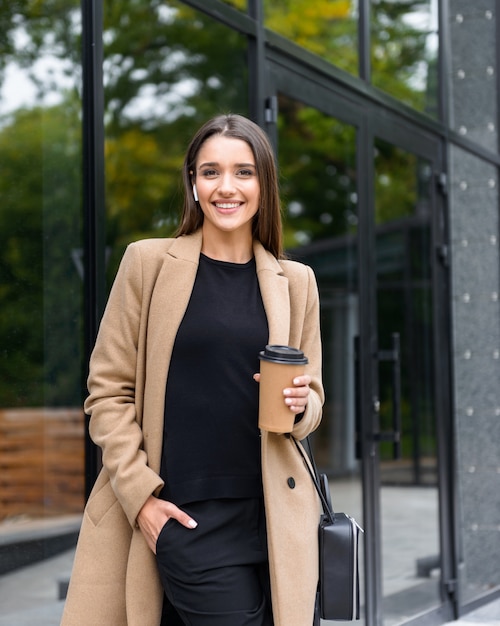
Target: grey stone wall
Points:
x,y
474,223
473,72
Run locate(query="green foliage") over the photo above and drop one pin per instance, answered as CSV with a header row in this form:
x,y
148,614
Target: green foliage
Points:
x,y
167,69
20,268
318,178
403,64
40,232
237,4
395,183
33,28
164,78
327,28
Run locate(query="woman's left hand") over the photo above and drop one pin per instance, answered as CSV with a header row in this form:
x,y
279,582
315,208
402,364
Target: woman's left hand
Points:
x,y
295,397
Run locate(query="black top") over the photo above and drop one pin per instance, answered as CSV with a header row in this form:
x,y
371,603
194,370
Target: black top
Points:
x,y
211,445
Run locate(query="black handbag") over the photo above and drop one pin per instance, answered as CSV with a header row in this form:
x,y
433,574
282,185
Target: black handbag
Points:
x,y
338,583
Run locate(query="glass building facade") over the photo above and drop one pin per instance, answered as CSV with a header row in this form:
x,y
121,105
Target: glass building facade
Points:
x,y
384,117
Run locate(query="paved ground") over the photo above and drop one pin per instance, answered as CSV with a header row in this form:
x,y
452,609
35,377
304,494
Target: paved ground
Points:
x,y
30,595
489,614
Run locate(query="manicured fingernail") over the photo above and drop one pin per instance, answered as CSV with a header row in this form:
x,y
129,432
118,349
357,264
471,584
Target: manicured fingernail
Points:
x,y
287,392
192,523
296,381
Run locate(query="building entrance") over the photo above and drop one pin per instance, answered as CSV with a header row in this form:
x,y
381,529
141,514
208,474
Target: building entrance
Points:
x,y
360,209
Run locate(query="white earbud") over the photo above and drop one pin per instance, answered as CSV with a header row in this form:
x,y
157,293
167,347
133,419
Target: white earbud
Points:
x,y
195,193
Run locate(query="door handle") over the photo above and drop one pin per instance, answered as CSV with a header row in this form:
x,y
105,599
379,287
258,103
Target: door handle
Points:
x,y
393,355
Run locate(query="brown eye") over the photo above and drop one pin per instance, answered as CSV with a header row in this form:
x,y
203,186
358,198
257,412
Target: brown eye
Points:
x,y
209,173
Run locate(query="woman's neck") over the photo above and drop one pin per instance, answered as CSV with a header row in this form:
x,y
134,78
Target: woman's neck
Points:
x,y
231,247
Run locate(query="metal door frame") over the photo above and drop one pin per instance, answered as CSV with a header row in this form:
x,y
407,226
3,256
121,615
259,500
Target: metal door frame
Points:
x,y
310,86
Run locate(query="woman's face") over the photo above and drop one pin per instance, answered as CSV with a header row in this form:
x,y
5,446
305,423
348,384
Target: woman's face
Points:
x,y
227,185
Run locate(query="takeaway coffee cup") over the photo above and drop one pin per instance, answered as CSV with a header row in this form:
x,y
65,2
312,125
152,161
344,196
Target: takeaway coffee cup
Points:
x,y
279,365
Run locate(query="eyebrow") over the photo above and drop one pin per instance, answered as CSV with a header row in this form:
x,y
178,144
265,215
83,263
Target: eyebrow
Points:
x,y
214,164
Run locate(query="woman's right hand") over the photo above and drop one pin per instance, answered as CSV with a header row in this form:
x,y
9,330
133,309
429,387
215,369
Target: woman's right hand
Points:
x,y
155,514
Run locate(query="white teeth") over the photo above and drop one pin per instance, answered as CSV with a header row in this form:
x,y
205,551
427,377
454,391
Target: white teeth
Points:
x,y
228,205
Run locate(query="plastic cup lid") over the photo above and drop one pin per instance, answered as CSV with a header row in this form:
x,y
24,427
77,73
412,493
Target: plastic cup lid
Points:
x,y
283,354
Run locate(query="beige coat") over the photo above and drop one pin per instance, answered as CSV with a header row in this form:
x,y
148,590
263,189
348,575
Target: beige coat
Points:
x,y
114,579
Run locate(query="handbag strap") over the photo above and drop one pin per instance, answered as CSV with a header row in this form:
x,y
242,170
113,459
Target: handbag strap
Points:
x,y
313,473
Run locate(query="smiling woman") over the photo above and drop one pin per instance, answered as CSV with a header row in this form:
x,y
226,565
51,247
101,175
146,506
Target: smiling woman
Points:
x,y
210,540
228,191
233,156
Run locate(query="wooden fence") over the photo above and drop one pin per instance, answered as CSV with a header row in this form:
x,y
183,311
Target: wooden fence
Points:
x,y
41,462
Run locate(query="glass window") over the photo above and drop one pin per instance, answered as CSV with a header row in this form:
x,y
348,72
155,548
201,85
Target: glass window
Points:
x,y
404,51
237,4
316,155
328,28
164,77
41,419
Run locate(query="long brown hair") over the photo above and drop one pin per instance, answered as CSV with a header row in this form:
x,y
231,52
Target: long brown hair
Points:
x,y
266,227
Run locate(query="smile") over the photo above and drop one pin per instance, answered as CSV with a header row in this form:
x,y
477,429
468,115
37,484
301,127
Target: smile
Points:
x,y
227,205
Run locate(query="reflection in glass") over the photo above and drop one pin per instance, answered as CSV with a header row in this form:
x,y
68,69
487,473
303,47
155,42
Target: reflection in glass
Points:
x,y
316,155
164,77
317,159
40,230
328,28
41,419
404,51
409,494
237,4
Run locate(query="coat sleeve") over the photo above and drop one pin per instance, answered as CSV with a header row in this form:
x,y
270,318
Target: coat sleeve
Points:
x,y
310,344
115,425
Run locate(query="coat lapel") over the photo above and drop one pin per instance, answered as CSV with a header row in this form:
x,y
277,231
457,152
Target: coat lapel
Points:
x,y
169,301
274,291
170,296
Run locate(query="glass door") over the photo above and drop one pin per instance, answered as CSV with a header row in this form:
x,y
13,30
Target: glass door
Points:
x,y
404,416
360,209
317,160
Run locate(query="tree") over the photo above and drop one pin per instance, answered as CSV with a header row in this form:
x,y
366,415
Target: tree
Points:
x,y
167,69
327,28
318,174
403,61
40,234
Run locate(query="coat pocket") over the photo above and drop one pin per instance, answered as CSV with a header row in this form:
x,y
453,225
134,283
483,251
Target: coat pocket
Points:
x,y
100,503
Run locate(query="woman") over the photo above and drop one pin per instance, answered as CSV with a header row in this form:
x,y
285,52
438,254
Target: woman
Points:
x,y
194,505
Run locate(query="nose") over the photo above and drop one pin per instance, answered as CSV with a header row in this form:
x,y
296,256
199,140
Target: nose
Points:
x,y
226,184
